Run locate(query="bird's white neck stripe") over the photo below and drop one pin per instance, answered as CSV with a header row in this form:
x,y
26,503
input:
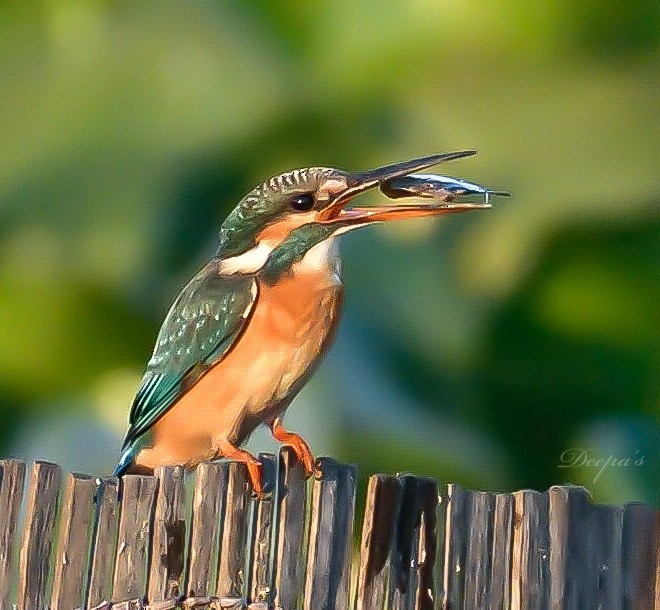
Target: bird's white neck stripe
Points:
x,y
255,258
249,261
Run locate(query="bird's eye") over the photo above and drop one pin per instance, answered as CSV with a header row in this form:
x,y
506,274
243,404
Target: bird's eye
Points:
x,y
303,202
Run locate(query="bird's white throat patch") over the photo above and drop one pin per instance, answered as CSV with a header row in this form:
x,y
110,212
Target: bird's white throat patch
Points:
x,y
317,257
250,261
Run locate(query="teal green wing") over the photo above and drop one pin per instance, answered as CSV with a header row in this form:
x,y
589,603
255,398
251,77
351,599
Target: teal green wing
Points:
x,y
203,323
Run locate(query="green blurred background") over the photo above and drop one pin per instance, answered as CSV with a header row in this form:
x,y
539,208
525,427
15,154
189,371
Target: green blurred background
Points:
x,y
479,349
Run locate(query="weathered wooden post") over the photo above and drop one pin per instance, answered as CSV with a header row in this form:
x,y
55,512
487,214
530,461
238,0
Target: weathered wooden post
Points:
x,y
424,546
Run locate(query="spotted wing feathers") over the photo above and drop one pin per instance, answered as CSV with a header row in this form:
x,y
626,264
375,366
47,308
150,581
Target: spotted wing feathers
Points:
x,y
203,323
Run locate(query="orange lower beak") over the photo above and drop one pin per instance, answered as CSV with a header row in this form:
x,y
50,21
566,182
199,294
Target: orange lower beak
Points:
x,y
385,213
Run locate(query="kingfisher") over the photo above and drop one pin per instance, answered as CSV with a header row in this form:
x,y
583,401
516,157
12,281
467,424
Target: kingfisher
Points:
x,y
244,335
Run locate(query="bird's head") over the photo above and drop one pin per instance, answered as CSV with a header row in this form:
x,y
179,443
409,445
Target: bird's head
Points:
x,y
299,209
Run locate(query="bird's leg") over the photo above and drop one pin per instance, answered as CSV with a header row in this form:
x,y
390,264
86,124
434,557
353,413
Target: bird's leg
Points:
x,y
226,449
297,443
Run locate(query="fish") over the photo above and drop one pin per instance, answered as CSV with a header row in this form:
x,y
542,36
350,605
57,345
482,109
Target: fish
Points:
x,y
439,189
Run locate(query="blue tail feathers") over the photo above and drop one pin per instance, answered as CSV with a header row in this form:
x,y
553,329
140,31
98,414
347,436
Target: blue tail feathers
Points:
x,y
125,461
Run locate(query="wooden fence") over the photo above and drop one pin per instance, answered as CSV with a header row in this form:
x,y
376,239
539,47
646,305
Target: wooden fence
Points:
x,y
422,545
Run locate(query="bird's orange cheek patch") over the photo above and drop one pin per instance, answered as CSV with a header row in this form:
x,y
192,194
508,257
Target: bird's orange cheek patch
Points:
x,y
277,231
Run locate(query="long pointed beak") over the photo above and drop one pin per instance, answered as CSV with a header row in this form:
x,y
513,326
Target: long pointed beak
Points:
x,y
360,182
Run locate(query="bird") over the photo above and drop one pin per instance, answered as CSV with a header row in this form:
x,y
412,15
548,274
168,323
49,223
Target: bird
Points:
x,y
246,332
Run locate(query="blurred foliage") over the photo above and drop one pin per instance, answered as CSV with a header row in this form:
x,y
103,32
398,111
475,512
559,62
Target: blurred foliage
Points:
x,y
478,349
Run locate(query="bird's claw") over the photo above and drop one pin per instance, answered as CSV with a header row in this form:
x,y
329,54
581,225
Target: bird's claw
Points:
x,y
305,457
224,448
299,446
255,472
303,453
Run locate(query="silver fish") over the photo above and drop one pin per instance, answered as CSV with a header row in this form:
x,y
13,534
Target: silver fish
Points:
x,y
438,188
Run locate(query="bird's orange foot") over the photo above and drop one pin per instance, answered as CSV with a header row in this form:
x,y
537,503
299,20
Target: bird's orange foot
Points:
x,y
297,443
254,467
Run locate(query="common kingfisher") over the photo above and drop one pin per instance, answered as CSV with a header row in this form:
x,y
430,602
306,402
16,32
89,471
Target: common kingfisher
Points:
x,y
247,331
